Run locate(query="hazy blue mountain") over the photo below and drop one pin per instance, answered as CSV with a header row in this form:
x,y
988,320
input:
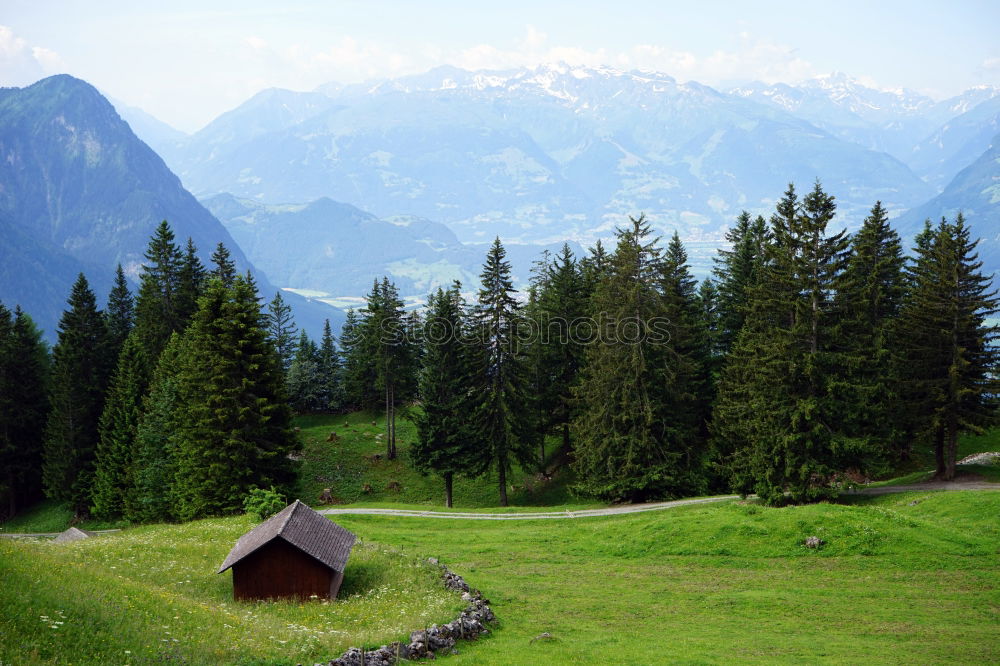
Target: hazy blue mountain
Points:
x,y
537,155
158,135
79,191
335,249
885,121
976,192
958,142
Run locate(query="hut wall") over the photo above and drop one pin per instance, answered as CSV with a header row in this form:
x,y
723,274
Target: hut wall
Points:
x,y
279,569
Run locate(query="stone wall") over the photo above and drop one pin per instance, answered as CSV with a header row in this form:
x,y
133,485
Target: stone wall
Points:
x,y
427,643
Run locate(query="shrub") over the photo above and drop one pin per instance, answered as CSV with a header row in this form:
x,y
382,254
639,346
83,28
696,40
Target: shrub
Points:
x,y
263,503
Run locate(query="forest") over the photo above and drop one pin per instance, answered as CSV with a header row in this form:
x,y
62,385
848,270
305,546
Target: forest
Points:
x,y
810,360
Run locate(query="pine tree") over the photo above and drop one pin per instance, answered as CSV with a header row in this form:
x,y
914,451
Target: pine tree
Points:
x,y
950,351
281,330
116,449
498,369
779,405
330,371
191,280
444,443
737,270
623,451
869,298
23,409
237,432
156,311
80,372
120,312
359,365
151,496
305,383
225,269
562,305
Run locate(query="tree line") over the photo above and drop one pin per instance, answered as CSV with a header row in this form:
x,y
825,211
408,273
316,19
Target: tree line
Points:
x,y
808,358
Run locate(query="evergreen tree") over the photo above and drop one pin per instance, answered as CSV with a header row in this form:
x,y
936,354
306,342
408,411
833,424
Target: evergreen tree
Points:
x,y
80,372
305,383
562,305
359,364
151,495
237,431
329,371
623,451
157,313
120,313
225,269
23,409
498,370
950,350
780,399
869,297
116,449
191,279
737,270
444,443
281,330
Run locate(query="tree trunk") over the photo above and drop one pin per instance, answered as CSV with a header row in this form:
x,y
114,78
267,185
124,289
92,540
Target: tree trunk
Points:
x,y
388,431
565,437
448,478
541,453
12,491
503,482
939,452
951,451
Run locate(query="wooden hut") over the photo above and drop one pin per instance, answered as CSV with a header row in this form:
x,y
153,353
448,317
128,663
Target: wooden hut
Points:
x,y
295,553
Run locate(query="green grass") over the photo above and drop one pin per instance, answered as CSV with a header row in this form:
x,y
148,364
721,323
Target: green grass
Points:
x,y
49,516
151,594
902,578
348,467
921,465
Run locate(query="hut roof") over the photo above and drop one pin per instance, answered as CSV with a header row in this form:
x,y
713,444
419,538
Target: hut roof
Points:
x,y
302,527
72,534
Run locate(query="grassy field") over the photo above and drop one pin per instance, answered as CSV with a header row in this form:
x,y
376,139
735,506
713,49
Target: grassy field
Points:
x,y
353,465
912,578
151,594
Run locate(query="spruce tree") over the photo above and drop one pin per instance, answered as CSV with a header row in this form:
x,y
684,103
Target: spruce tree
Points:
x,y
191,280
116,455
120,312
80,370
445,444
869,298
237,432
736,272
225,269
498,370
359,365
151,496
330,371
157,313
281,330
24,366
623,451
305,383
950,350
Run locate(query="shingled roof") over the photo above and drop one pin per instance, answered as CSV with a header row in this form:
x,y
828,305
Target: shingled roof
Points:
x,y
303,528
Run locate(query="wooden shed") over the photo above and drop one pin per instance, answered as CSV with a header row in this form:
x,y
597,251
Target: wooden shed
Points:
x,y
296,553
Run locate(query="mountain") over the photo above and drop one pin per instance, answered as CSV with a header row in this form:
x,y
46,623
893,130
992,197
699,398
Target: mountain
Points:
x,y
334,250
80,192
158,135
975,191
536,155
958,142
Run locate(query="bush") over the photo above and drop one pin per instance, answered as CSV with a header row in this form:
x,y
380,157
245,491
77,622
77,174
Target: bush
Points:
x,y
263,503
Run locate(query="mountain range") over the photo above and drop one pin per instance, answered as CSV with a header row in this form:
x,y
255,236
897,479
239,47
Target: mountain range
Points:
x,y
80,192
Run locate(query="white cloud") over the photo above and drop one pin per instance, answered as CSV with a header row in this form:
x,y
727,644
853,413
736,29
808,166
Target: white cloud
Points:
x,y
991,64
21,64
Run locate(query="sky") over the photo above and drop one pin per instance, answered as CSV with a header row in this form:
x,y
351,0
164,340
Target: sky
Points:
x,y
185,61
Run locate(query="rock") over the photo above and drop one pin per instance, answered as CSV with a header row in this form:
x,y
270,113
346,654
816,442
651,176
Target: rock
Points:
x,y
433,560
813,542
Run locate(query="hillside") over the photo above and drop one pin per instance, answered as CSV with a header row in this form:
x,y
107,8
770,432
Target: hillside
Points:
x,y
81,193
897,576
